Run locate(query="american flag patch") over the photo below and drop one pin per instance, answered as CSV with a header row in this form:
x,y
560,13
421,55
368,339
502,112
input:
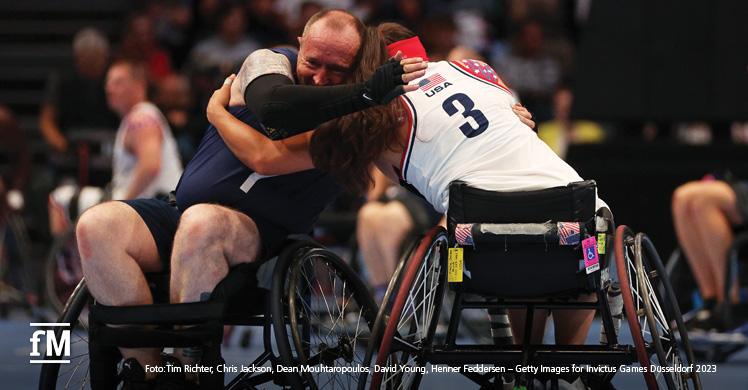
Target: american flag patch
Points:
x,y
431,82
568,233
464,234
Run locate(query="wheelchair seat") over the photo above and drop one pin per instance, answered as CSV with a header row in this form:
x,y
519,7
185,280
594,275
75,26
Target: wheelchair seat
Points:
x,y
294,297
519,258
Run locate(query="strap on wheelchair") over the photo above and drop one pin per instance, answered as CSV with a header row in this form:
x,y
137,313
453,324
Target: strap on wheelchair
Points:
x,y
559,233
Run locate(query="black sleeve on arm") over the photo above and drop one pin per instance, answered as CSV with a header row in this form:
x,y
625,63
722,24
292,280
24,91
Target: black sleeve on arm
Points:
x,y
292,109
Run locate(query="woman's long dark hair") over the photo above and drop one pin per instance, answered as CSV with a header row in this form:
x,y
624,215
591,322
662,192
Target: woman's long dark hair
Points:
x,y
348,146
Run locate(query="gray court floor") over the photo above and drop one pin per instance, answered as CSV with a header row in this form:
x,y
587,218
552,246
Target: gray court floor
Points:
x,y
16,373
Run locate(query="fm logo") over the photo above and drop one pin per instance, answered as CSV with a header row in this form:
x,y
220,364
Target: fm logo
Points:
x,y
57,343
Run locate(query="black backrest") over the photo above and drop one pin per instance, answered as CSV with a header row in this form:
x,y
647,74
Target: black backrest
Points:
x,y
513,269
572,203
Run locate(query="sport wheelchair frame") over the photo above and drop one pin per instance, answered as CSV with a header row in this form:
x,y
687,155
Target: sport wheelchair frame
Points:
x,y
406,324
308,283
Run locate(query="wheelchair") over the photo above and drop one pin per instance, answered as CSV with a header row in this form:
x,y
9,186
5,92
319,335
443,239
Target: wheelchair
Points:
x,y
314,311
717,346
538,238
18,287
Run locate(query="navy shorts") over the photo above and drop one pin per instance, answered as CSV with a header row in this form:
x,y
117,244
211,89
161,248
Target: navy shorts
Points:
x,y
162,219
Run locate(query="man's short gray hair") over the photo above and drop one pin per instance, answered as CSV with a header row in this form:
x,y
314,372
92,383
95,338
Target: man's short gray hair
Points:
x,y
337,19
92,39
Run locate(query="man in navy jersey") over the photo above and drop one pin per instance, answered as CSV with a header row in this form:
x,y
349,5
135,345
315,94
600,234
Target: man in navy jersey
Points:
x,y
226,212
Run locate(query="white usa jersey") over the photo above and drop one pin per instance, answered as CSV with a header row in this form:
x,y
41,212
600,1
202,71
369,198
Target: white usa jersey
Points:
x,y
462,127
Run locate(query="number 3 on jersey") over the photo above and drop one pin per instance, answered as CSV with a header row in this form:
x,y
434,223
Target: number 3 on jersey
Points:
x,y
467,104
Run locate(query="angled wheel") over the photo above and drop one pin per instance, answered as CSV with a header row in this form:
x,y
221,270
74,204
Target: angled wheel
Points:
x,y
322,317
664,323
73,375
63,270
627,277
413,316
382,315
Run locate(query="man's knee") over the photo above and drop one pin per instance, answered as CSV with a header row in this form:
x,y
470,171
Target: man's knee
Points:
x,y
202,223
396,218
94,228
369,216
203,227
684,196
691,199
370,211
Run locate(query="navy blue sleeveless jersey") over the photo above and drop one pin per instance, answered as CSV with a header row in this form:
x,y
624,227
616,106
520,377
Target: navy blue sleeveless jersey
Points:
x,y
215,175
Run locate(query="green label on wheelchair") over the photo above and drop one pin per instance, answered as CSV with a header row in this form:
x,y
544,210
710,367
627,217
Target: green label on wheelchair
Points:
x,y
454,266
601,243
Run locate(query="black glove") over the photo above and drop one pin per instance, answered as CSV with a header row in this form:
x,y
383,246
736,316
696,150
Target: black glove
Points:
x,y
385,84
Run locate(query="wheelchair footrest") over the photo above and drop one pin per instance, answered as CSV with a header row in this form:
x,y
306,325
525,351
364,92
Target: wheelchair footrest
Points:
x,y
140,337
180,314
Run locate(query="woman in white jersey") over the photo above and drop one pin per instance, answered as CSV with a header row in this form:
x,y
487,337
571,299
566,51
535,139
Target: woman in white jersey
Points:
x,y
459,125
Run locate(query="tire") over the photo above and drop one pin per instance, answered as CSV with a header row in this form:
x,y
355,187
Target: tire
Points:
x,y
322,316
421,289
627,277
75,374
62,271
666,328
387,300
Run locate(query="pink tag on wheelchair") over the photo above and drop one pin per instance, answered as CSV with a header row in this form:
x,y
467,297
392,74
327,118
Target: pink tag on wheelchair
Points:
x,y
591,260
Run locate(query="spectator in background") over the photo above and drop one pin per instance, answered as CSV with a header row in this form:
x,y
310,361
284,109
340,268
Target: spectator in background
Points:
x,y
438,34
704,214
74,99
739,132
228,47
15,161
472,29
145,162
463,52
174,98
172,20
306,10
139,45
206,14
530,70
19,268
562,130
267,25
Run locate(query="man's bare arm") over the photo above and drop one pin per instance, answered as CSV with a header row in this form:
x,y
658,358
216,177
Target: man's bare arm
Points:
x,y
144,139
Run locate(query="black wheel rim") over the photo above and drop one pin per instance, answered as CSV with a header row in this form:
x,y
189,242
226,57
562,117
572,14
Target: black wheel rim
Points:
x,y
330,313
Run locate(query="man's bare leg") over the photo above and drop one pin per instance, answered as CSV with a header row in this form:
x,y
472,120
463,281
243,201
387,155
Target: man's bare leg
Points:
x,y
704,213
517,322
380,231
368,243
209,240
572,326
116,247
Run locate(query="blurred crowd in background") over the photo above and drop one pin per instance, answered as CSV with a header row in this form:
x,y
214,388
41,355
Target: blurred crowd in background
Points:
x,y
189,46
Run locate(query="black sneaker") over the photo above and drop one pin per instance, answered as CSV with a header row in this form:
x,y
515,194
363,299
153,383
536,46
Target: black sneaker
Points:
x,y
133,376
